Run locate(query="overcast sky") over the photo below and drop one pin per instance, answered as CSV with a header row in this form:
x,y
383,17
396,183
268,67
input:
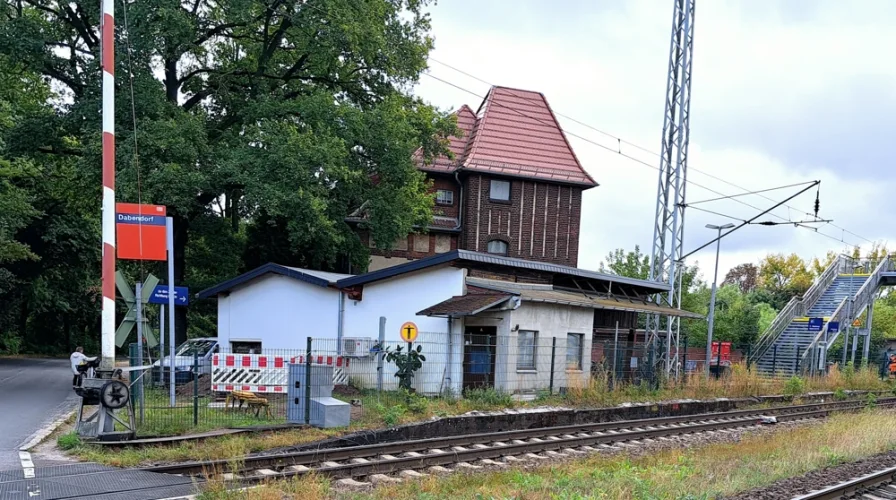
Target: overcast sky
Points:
x,y
784,92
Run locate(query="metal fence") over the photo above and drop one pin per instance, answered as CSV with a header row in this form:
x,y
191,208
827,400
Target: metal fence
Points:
x,y
237,389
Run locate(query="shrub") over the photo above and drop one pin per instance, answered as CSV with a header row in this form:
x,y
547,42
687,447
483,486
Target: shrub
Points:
x,y
407,363
794,386
840,395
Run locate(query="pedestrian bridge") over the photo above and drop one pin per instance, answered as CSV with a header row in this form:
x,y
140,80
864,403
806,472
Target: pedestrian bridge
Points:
x,y
843,293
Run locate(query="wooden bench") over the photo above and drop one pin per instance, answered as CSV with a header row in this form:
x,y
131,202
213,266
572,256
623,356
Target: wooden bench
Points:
x,y
251,401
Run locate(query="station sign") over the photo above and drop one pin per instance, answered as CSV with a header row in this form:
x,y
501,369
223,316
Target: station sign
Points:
x,y
140,231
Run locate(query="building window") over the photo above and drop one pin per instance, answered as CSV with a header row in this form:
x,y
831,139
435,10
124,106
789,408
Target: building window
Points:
x,y
499,190
525,358
444,197
574,343
497,247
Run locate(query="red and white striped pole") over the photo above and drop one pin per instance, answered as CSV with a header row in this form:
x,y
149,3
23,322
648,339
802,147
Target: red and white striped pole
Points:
x,y
108,65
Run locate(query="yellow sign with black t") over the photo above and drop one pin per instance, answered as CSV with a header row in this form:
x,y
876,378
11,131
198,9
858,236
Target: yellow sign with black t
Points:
x,y
408,332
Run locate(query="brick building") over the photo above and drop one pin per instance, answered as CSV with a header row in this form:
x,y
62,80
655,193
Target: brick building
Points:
x,y
513,188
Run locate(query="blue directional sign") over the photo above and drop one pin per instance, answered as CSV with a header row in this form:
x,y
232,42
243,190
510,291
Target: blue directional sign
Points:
x,y
160,295
833,326
816,324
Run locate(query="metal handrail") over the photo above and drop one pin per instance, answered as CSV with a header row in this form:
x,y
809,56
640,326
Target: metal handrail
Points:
x,y
797,307
859,301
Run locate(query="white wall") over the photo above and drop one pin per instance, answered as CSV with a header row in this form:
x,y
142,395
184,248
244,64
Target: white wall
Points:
x,y
281,312
549,320
399,299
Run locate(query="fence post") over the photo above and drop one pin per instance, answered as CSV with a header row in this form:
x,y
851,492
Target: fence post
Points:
x,y
308,383
796,361
553,356
775,360
719,360
133,375
380,355
749,349
195,388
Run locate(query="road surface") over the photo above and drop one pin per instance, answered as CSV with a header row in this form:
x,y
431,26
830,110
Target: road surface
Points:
x,y
33,393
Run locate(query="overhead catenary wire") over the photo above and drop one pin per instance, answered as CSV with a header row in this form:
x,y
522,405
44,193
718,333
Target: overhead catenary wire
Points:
x,y
639,161
621,141
127,38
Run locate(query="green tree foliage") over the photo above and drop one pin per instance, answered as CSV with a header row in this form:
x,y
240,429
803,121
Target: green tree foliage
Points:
x,y
256,121
784,277
632,264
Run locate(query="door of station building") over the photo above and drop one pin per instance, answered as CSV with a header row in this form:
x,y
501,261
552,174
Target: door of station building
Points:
x,y
480,346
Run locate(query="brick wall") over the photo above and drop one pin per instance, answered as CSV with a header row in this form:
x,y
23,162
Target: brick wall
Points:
x,y
414,246
540,222
448,184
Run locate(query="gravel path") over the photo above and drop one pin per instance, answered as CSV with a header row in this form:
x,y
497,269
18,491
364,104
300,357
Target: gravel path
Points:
x,y
786,489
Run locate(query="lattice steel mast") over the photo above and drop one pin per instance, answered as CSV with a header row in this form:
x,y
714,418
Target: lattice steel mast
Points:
x,y
668,229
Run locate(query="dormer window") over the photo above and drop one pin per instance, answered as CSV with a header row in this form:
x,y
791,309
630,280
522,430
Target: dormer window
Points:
x,y
499,190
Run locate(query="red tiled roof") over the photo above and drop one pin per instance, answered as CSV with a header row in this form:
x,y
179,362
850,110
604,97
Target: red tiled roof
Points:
x,y
514,133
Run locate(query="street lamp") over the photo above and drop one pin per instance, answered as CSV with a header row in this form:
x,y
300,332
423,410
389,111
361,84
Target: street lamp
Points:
x,y
712,298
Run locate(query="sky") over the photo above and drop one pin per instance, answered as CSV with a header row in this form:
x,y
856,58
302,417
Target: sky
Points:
x,y
784,92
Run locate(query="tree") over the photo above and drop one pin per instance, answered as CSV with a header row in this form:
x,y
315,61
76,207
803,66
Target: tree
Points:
x,y
744,276
784,277
819,266
252,111
632,264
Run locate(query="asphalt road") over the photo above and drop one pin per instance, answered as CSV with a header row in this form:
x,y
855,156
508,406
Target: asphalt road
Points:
x,y
33,393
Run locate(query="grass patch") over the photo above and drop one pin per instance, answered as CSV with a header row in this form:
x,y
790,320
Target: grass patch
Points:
x,y
68,441
702,472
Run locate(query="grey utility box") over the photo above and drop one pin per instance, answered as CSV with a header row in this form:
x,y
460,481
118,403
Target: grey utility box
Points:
x,y
327,412
321,387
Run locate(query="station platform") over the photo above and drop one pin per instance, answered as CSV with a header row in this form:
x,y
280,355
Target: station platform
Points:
x,y
94,481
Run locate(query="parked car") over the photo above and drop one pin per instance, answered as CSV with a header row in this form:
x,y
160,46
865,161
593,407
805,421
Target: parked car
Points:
x,y
205,347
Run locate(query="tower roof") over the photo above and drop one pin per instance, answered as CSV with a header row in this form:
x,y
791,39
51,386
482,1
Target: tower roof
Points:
x,y
514,133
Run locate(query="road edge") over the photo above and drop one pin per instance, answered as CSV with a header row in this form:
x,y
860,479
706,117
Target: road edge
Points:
x,y
38,436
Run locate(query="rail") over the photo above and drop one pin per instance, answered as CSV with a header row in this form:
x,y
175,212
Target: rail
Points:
x,y
854,488
391,457
798,307
859,301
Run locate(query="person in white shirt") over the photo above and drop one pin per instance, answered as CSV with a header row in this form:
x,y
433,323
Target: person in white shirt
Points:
x,y
77,358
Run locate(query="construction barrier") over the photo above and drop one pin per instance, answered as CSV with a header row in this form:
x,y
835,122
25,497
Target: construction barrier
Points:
x,y
265,373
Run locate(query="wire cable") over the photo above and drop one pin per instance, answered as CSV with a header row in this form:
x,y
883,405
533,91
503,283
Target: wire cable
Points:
x,y
621,141
635,159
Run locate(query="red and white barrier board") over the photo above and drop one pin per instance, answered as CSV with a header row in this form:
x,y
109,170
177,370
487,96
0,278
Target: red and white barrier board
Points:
x,y
265,373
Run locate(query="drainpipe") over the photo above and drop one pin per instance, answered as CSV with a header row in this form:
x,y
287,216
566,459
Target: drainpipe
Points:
x,y
460,202
339,322
450,354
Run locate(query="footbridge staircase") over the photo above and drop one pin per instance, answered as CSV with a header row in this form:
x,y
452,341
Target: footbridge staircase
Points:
x,y
840,295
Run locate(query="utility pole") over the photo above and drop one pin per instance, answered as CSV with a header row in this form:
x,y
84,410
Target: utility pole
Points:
x,y
668,229
712,296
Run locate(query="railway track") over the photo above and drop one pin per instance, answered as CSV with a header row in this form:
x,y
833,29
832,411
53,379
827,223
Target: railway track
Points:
x,y
878,485
496,449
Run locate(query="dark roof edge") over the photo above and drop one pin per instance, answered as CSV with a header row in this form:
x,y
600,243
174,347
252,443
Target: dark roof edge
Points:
x,y
270,267
435,260
389,272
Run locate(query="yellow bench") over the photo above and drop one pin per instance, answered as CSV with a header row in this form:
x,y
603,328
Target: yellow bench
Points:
x,y
251,401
